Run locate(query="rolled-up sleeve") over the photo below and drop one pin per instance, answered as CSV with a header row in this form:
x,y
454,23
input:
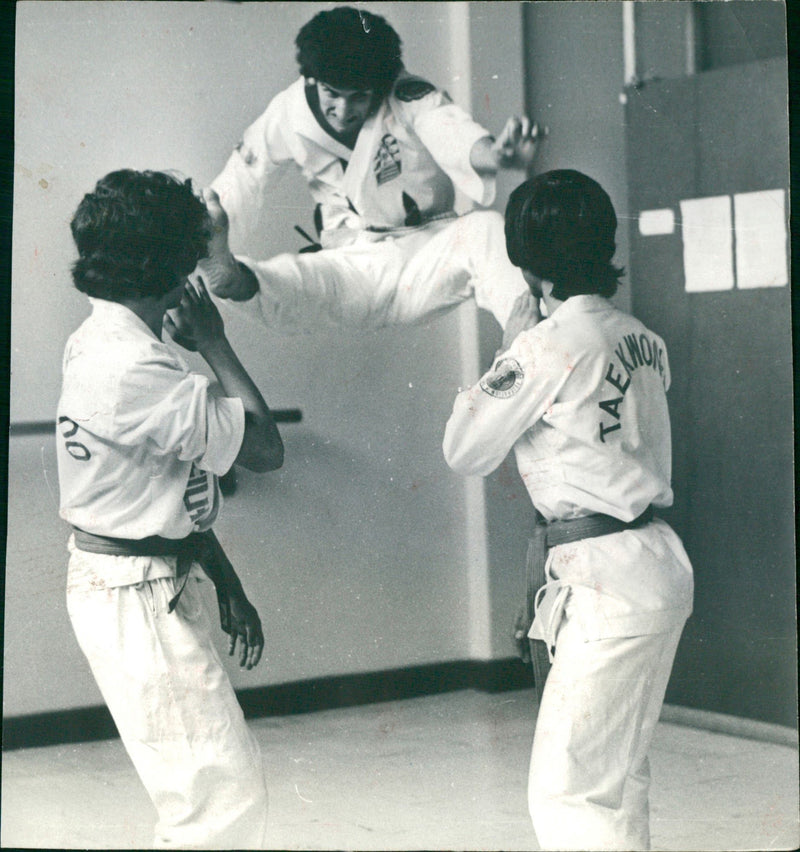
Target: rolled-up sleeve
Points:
x,y
174,411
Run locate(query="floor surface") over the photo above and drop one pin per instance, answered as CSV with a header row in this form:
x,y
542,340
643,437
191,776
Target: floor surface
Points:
x,y
444,772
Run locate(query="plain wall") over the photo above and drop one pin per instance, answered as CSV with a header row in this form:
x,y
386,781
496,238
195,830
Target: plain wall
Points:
x,y
356,552
574,76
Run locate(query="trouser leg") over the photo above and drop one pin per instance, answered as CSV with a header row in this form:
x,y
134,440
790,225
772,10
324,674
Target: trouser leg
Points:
x,y
467,257
495,281
349,286
589,778
395,280
176,713
636,801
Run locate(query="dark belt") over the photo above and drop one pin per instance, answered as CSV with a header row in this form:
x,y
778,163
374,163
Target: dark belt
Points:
x,y
547,535
202,548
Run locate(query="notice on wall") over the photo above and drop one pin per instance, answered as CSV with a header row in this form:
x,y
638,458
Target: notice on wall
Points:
x,y
761,234
707,244
656,222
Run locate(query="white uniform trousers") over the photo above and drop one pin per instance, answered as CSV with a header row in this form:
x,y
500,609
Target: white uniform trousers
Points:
x,y
406,276
176,712
589,774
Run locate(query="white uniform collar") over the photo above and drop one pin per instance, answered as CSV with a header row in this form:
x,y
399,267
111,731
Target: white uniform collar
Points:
x,y
585,303
113,313
304,123
359,162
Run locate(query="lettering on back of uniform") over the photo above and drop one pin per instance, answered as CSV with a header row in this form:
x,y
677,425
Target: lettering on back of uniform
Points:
x,y
631,353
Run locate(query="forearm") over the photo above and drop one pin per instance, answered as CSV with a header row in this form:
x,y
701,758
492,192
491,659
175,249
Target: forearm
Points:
x,y
262,447
239,618
484,158
233,377
468,448
224,571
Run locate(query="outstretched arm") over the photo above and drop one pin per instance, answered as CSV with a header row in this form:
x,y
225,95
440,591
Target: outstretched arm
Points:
x,y
512,396
515,148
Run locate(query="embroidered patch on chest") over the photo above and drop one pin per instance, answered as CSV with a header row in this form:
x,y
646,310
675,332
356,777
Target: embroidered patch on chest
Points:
x,y
505,380
386,163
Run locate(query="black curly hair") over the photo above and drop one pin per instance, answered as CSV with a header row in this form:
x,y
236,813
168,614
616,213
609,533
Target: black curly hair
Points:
x,y
138,234
561,226
350,48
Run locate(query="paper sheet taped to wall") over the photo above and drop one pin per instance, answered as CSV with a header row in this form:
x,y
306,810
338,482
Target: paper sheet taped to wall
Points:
x,y
760,239
707,244
656,222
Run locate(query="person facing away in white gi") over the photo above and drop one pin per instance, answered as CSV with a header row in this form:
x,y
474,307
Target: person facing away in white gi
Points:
x,y
141,442
388,158
581,397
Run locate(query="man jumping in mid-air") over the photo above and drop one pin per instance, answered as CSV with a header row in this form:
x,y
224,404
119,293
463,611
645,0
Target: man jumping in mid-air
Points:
x,y
387,157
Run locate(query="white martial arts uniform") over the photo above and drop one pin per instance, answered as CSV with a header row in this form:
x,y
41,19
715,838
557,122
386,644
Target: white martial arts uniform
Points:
x,y
140,443
410,164
581,398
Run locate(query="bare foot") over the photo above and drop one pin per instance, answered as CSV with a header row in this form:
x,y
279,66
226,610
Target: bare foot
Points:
x,y
220,269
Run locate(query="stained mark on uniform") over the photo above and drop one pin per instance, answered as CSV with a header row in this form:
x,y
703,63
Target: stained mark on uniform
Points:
x,y
47,479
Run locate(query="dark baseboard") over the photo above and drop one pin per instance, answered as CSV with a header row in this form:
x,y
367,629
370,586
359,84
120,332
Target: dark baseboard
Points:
x,y
327,693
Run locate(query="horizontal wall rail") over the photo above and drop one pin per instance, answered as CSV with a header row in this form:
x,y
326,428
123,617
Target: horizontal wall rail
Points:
x,y
46,427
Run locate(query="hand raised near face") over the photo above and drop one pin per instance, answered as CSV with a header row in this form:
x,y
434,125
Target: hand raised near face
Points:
x,y
524,314
196,323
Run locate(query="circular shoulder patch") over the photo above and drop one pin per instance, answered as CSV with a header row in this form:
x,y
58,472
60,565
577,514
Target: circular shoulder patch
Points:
x,y
505,380
413,89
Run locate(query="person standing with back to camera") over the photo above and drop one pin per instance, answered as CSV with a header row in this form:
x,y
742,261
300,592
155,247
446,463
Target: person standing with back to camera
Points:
x,y
386,156
581,398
